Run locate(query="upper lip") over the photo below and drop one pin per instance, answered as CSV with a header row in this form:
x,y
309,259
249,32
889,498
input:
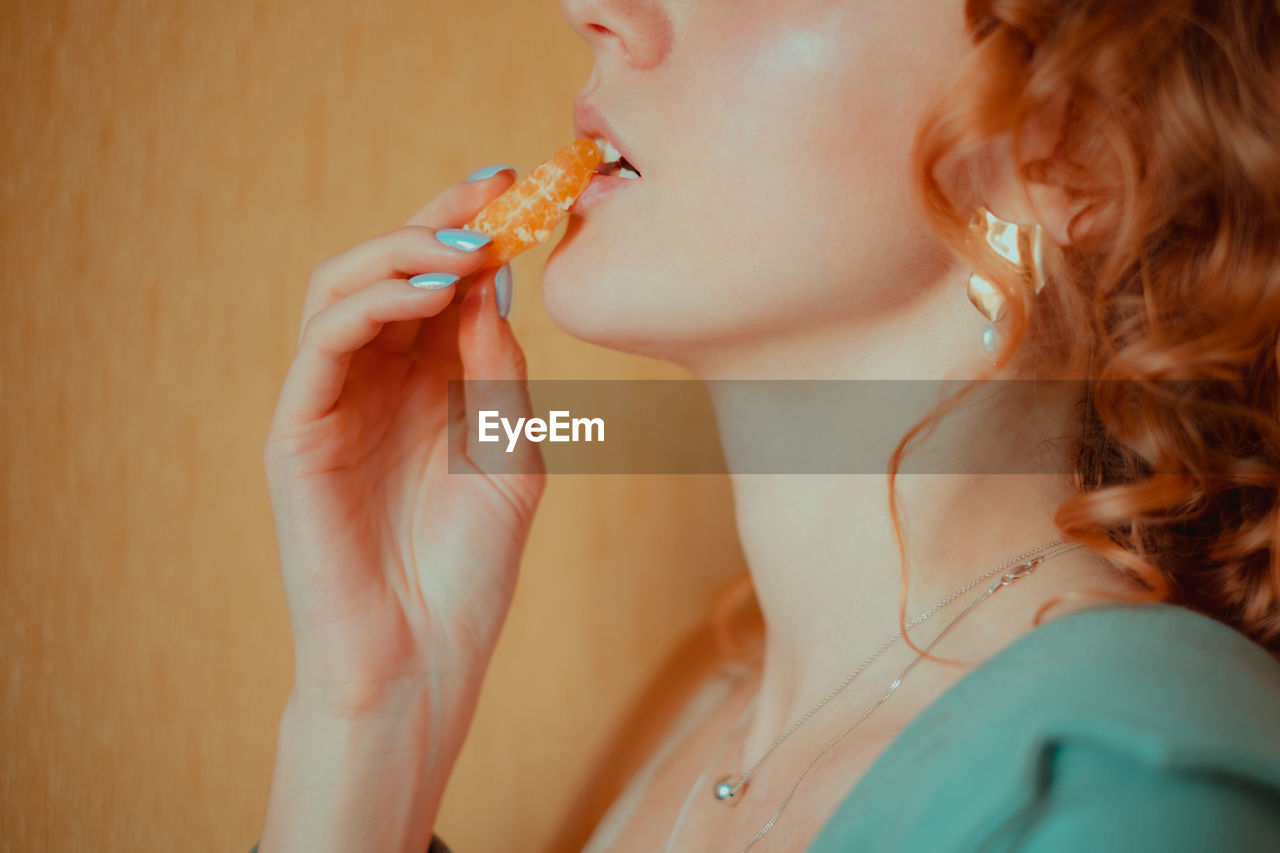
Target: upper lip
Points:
x,y
589,122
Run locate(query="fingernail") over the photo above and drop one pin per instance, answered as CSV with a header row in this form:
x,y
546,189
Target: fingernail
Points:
x,y
461,238
433,280
502,288
488,172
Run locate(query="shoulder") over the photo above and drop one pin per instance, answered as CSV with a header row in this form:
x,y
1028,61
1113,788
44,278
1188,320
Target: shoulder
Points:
x,y
1162,683
1105,800
1171,686
1114,728
1143,728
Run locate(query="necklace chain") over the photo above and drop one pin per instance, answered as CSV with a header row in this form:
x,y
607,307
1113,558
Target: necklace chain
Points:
x,y
1022,565
884,647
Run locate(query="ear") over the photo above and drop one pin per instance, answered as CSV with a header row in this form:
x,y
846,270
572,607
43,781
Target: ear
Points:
x,y
1043,194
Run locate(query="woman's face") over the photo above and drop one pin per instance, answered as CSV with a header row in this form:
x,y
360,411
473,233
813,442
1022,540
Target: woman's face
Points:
x,y
773,139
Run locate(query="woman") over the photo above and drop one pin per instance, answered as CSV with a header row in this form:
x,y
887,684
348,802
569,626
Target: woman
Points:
x,y
808,175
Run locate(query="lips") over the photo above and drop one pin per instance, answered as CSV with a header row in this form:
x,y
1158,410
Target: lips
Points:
x,y
616,171
615,152
613,163
602,187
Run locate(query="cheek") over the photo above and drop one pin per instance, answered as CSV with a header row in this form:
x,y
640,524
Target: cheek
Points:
x,y
814,185
784,192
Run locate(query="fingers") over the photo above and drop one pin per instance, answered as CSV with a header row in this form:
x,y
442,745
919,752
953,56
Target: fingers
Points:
x,y
494,370
402,253
330,338
485,341
460,202
344,312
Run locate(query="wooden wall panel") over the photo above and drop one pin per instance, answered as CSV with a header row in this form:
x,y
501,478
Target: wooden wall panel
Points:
x,y
172,172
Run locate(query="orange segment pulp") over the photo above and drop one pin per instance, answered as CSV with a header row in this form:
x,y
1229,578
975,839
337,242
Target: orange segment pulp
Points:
x,y
525,215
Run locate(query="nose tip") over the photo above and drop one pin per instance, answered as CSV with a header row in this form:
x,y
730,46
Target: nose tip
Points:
x,y
639,32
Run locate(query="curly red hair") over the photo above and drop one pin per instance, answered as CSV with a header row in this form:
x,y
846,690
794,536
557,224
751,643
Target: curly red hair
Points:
x,y
1168,299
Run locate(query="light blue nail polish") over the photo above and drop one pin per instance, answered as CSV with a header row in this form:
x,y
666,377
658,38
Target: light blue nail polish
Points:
x,y
488,172
433,280
461,238
502,288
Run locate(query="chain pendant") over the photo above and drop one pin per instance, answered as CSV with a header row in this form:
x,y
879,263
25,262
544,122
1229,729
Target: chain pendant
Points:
x,y
730,788
727,789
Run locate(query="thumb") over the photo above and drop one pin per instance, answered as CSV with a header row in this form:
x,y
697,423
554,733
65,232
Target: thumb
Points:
x,y
494,389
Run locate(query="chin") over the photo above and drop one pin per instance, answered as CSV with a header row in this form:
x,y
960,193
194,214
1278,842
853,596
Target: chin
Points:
x,y
677,305
607,299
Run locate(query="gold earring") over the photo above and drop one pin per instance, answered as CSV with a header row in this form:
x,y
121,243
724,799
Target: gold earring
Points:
x,y
1022,247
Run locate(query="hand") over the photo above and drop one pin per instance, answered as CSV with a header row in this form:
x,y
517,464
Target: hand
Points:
x,y
398,573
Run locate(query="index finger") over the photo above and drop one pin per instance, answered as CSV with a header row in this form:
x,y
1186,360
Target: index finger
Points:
x,y
464,200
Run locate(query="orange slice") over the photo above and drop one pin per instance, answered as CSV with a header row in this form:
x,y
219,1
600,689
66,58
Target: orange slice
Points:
x,y
526,214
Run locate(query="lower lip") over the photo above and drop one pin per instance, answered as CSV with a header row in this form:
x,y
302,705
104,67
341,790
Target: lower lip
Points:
x,y
601,188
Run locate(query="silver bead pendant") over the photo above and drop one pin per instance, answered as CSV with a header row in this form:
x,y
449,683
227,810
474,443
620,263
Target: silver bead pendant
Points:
x,y
727,789
992,339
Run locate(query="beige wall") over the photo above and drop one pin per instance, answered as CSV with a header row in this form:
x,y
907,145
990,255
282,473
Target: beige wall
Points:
x,y
172,171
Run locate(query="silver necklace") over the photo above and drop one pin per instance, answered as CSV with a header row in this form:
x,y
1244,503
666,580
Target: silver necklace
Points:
x,y
728,789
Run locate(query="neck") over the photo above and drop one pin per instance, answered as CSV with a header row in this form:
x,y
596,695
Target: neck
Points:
x,y
822,549
827,571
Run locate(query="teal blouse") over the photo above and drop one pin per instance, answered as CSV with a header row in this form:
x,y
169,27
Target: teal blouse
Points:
x,y
1118,728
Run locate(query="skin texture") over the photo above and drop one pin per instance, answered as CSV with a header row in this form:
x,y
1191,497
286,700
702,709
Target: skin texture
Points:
x,y
398,572
772,235
774,142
